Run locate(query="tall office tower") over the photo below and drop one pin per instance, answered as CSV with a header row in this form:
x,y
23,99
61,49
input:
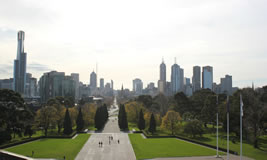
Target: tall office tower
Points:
x,y
20,65
112,83
102,83
76,79
137,86
207,77
226,85
31,86
175,78
196,78
162,72
162,78
182,82
93,81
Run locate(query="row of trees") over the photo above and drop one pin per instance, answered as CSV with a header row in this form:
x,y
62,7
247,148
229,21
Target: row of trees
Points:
x,y
201,108
101,117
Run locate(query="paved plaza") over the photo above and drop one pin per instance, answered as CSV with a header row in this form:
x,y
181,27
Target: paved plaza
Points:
x,y
113,151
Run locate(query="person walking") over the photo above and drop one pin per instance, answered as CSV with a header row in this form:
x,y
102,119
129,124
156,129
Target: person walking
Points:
x,y
118,141
99,144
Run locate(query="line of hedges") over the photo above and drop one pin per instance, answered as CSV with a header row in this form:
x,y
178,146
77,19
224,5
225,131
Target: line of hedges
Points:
x,y
190,140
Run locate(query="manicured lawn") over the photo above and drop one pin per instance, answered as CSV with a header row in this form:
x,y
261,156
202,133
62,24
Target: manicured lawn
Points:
x,y
166,147
52,148
248,149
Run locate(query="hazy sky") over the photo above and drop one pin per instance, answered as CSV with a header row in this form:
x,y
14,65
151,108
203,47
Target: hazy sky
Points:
x,y
129,38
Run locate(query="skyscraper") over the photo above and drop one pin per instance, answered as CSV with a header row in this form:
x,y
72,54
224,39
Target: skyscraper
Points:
x,y
207,77
93,81
226,85
175,78
20,65
196,78
75,78
162,78
102,83
162,72
137,86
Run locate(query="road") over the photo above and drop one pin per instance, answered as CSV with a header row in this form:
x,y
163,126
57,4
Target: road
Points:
x,y
113,151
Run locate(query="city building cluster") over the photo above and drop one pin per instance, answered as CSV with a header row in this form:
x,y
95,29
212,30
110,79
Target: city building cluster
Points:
x,y
53,84
180,83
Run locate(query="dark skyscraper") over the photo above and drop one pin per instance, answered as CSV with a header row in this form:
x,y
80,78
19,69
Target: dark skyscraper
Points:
x,y
162,77
175,78
162,72
102,83
20,65
93,81
196,78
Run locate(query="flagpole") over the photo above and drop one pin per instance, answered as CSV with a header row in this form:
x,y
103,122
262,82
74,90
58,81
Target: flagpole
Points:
x,y
217,117
228,110
241,114
227,135
217,137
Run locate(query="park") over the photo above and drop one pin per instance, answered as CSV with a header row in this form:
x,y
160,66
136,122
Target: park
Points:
x,y
135,132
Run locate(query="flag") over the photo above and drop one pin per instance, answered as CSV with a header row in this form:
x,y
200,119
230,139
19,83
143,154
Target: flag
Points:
x,y
228,104
241,105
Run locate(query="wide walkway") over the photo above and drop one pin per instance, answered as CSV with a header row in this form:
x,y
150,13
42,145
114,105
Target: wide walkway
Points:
x,y
114,150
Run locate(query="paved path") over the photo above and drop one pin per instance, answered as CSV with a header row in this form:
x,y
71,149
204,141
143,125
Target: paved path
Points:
x,y
113,151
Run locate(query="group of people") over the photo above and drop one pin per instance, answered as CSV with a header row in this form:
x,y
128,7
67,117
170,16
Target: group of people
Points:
x,y
110,138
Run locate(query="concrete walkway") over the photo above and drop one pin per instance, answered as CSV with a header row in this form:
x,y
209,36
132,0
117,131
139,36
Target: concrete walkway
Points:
x,y
113,151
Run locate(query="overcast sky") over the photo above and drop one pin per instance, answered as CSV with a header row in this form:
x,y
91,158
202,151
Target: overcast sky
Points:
x,y
129,38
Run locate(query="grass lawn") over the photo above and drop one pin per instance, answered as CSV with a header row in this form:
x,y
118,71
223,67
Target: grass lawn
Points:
x,y
248,149
166,147
52,148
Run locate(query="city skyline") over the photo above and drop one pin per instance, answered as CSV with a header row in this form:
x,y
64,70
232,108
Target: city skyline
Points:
x,y
67,44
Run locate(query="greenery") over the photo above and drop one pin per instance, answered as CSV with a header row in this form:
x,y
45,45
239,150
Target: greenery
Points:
x,y
122,118
141,121
152,124
166,147
80,121
67,123
52,148
14,115
171,121
101,117
193,128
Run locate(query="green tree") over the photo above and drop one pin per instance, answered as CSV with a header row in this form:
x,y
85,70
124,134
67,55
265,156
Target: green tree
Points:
x,y
45,117
14,113
152,124
80,121
123,123
67,123
170,121
182,103
141,121
193,128
198,101
208,112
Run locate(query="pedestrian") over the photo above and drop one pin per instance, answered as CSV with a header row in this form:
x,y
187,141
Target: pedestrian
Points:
x,y
109,141
99,144
64,157
118,141
111,137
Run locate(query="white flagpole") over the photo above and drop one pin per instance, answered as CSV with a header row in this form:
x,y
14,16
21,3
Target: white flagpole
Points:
x,y
217,130
241,114
217,137
227,135
228,127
